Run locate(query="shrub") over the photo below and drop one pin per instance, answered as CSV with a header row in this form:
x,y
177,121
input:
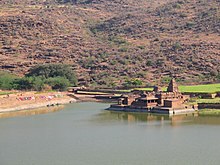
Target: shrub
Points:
x,y
218,76
176,5
141,47
166,80
118,40
189,25
149,63
89,62
123,49
176,46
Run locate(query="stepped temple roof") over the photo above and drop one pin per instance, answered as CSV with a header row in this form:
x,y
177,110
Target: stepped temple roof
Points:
x,y
173,87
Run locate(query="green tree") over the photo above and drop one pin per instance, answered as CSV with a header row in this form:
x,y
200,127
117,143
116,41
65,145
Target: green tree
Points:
x,y
25,83
53,70
6,80
137,82
218,76
58,83
133,82
38,83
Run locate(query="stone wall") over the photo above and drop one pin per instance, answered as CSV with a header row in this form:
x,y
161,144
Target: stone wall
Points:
x,y
202,95
209,105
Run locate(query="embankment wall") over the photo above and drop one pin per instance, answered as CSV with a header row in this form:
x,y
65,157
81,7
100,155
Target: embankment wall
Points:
x,y
209,105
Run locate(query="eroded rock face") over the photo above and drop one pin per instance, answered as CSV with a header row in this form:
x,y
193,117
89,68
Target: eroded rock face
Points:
x,y
110,40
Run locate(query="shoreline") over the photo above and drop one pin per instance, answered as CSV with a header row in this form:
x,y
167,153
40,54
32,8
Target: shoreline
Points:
x,y
20,101
29,112
33,100
38,105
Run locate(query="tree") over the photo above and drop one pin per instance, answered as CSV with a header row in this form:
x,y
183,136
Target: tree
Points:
x,y
133,82
6,80
53,70
25,83
38,83
58,83
137,82
218,76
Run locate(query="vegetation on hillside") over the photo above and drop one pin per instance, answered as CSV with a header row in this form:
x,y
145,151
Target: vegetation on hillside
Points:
x,y
6,80
53,71
109,42
41,77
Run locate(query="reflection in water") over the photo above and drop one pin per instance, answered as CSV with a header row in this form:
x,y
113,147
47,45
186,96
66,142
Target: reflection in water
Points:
x,y
37,111
156,119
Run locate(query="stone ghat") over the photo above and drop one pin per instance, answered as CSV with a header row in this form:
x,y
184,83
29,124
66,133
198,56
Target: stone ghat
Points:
x,y
157,110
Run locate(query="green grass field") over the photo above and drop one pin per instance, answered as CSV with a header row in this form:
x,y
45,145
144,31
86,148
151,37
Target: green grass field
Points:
x,y
209,88
144,89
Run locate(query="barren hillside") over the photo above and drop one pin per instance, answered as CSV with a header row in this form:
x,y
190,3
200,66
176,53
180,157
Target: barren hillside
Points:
x,y
110,41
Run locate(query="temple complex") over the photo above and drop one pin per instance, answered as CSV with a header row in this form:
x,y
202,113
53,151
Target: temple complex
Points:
x,y
170,102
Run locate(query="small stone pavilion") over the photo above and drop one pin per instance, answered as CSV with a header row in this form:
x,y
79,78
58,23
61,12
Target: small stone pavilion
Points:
x,y
157,101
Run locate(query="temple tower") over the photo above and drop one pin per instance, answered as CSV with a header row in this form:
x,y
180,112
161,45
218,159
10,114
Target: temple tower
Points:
x,y
173,87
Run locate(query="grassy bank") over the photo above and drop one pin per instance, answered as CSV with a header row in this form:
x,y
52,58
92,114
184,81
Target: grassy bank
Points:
x,y
209,112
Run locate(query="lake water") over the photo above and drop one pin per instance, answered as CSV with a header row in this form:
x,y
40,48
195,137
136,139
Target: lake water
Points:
x,y
85,134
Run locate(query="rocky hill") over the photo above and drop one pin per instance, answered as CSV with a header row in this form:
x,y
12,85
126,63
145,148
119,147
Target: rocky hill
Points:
x,y
107,42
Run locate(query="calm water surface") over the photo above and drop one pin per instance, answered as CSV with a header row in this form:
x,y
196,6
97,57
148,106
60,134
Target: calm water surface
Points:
x,y
84,134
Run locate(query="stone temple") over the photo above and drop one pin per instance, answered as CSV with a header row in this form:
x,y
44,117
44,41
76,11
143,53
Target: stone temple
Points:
x,y
170,102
